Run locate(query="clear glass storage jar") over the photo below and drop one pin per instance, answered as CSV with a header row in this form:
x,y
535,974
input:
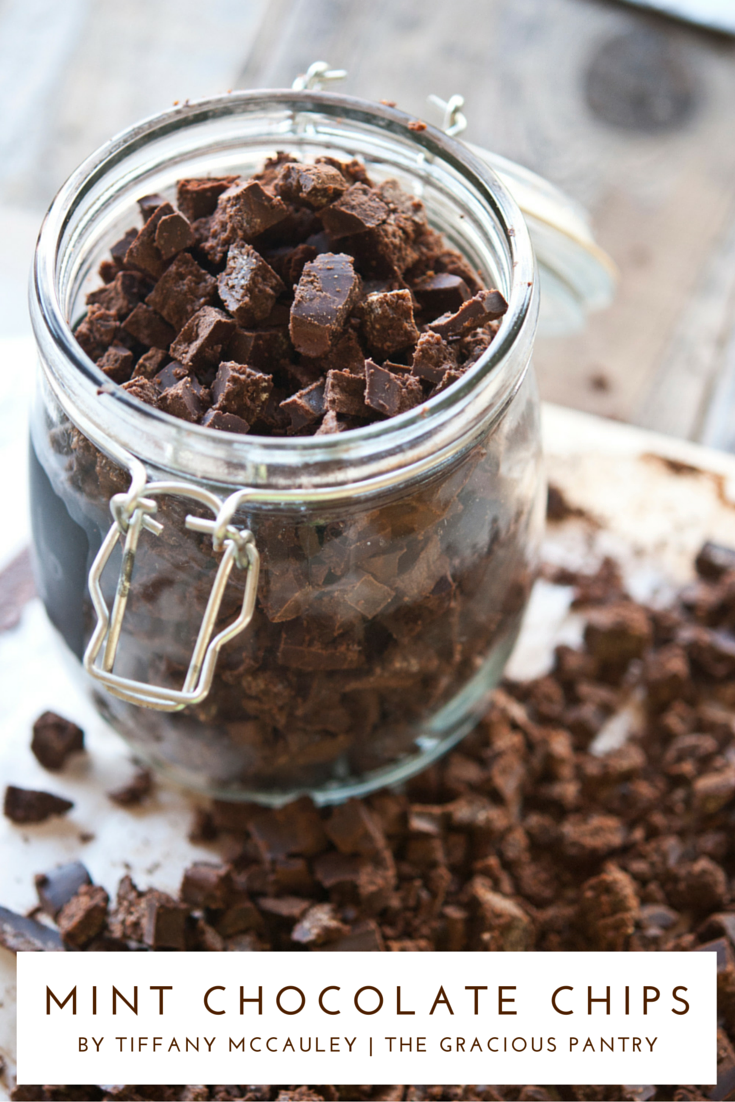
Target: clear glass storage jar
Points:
x,y
395,560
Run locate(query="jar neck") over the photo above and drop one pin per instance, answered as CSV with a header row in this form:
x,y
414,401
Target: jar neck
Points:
x,y
463,197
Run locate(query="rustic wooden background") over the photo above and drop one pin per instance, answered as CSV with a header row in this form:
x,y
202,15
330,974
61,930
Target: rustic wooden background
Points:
x,y
632,113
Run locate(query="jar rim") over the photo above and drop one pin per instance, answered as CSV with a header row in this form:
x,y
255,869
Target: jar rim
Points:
x,y
496,365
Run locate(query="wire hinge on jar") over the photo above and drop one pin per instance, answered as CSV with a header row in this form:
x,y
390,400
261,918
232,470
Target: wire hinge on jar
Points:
x,y
132,512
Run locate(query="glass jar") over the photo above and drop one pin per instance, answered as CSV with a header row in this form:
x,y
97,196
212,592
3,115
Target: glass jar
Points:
x,y
396,560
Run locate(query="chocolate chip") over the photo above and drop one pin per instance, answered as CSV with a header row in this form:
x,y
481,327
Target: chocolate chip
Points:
x,y
326,292
484,307
55,739
57,887
248,286
27,805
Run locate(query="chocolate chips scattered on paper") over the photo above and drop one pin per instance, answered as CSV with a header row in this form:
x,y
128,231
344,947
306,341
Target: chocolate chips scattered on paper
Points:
x,y
302,271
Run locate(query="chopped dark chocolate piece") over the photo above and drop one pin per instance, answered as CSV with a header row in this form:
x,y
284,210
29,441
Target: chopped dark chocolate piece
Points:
x,y
57,887
484,307
368,596
388,322
364,937
148,327
186,399
134,791
143,252
311,185
28,805
84,916
120,248
476,343
150,363
326,292
345,393
248,286
305,406
198,198
149,204
97,331
183,289
289,263
117,363
261,348
453,375
243,212
224,422
200,342
241,390
145,390
164,923
55,739
440,293
120,296
207,885
388,393
19,934
330,424
359,209
318,925
173,234
432,358
294,829
714,560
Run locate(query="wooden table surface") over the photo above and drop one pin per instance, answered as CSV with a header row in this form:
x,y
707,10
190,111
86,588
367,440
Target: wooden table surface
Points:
x,y
632,113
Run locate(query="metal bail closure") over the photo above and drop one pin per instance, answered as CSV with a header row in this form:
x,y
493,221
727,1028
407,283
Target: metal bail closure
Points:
x,y
132,512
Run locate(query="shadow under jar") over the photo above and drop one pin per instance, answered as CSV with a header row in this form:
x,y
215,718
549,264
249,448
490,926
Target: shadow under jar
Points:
x,y
396,559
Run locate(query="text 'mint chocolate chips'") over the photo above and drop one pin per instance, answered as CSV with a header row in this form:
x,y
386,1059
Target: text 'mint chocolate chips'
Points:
x,y
302,274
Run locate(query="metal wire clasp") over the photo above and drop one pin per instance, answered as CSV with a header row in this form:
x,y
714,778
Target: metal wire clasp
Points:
x,y
316,76
132,512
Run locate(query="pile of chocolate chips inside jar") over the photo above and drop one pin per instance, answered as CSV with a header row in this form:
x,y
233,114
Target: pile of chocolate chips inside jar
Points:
x,y
304,300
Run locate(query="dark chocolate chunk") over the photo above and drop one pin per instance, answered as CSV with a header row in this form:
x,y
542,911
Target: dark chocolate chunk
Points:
x,y
364,937
224,422
145,390
294,829
345,393
432,358
84,916
388,322
117,363
134,791
27,805
120,248
207,885
143,253
120,296
186,399
173,234
198,198
248,286
326,292
149,204
241,390
330,424
440,293
55,739
388,393
311,185
151,363
305,406
289,263
714,560
319,925
200,342
359,209
484,307
97,331
183,289
453,375
261,348
243,212
19,934
57,887
164,922
148,327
